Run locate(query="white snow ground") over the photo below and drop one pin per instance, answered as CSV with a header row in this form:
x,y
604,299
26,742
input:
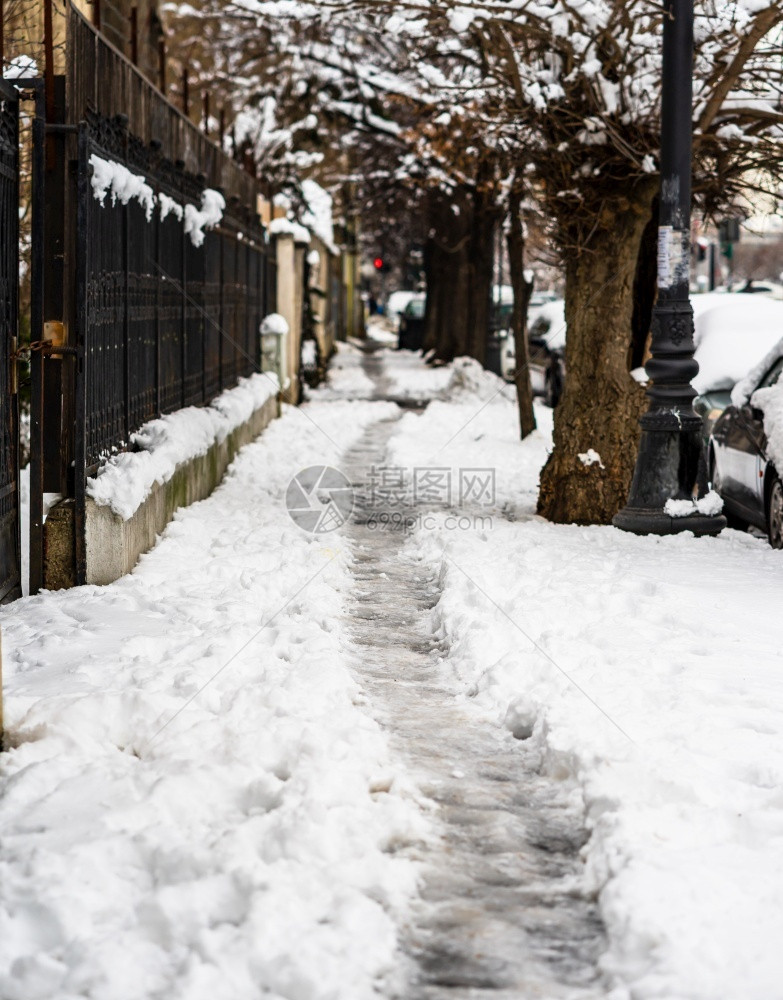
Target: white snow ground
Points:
x,y
248,845
194,804
650,670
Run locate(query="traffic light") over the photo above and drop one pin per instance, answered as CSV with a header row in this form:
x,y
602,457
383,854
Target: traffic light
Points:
x,y
381,265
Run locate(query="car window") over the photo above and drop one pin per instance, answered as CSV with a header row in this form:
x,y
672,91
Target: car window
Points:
x,y
772,375
415,309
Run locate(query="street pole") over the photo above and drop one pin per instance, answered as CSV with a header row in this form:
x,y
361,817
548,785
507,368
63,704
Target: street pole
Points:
x,y
669,463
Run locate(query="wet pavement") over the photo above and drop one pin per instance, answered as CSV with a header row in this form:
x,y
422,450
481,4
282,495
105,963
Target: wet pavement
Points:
x,y
502,911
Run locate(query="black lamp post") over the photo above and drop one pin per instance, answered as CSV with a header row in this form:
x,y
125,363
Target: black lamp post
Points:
x,y
670,451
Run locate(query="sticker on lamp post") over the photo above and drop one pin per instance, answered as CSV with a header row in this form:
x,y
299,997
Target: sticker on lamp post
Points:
x,y
319,499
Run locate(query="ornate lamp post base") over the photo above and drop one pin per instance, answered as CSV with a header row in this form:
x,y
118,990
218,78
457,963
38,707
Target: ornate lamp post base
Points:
x,y
654,522
668,467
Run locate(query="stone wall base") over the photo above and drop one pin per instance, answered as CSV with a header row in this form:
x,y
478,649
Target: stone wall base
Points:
x,y
113,545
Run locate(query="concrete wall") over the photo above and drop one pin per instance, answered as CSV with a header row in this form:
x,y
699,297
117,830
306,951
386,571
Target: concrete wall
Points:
x,y
287,304
290,290
114,545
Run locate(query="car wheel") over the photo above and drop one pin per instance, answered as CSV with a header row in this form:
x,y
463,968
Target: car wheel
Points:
x,y
775,514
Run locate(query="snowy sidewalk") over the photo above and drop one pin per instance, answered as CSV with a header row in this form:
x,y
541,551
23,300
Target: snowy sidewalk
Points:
x,y
502,906
195,803
226,778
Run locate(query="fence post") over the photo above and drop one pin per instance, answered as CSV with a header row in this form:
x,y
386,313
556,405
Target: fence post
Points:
x,y
221,311
37,270
80,403
183,285
158,271
126,353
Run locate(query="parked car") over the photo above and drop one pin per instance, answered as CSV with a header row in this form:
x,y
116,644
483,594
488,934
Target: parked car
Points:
x,y
732,334
741,447
411,329
396,303
546,348
546,336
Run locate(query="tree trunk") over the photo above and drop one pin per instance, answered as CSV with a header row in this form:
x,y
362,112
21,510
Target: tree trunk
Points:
x,y
458,261
447,265
522,291
601,404
481,252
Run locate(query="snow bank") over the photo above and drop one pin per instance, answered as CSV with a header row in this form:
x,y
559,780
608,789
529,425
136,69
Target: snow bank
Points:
x,y
468,433
195,803
126,479
648,671
469,380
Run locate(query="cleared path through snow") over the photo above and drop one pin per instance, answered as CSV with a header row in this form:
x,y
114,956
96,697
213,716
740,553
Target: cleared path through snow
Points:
x,y
501,911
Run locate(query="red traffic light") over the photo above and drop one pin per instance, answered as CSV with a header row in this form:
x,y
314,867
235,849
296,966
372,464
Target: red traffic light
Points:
x,y
378,263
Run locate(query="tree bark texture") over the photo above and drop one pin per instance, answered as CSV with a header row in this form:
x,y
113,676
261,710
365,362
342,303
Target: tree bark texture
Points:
x,y
601,403
522,291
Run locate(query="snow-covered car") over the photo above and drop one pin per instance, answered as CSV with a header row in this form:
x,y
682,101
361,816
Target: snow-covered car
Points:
x,y
732,334
746,450
546,334
396,303
546,329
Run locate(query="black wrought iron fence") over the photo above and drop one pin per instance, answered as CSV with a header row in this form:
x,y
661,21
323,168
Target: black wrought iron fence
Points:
x,y
166,318
158,314
9,284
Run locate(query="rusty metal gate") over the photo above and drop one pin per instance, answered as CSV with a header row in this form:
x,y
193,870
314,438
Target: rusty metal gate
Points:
x,y
10,548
